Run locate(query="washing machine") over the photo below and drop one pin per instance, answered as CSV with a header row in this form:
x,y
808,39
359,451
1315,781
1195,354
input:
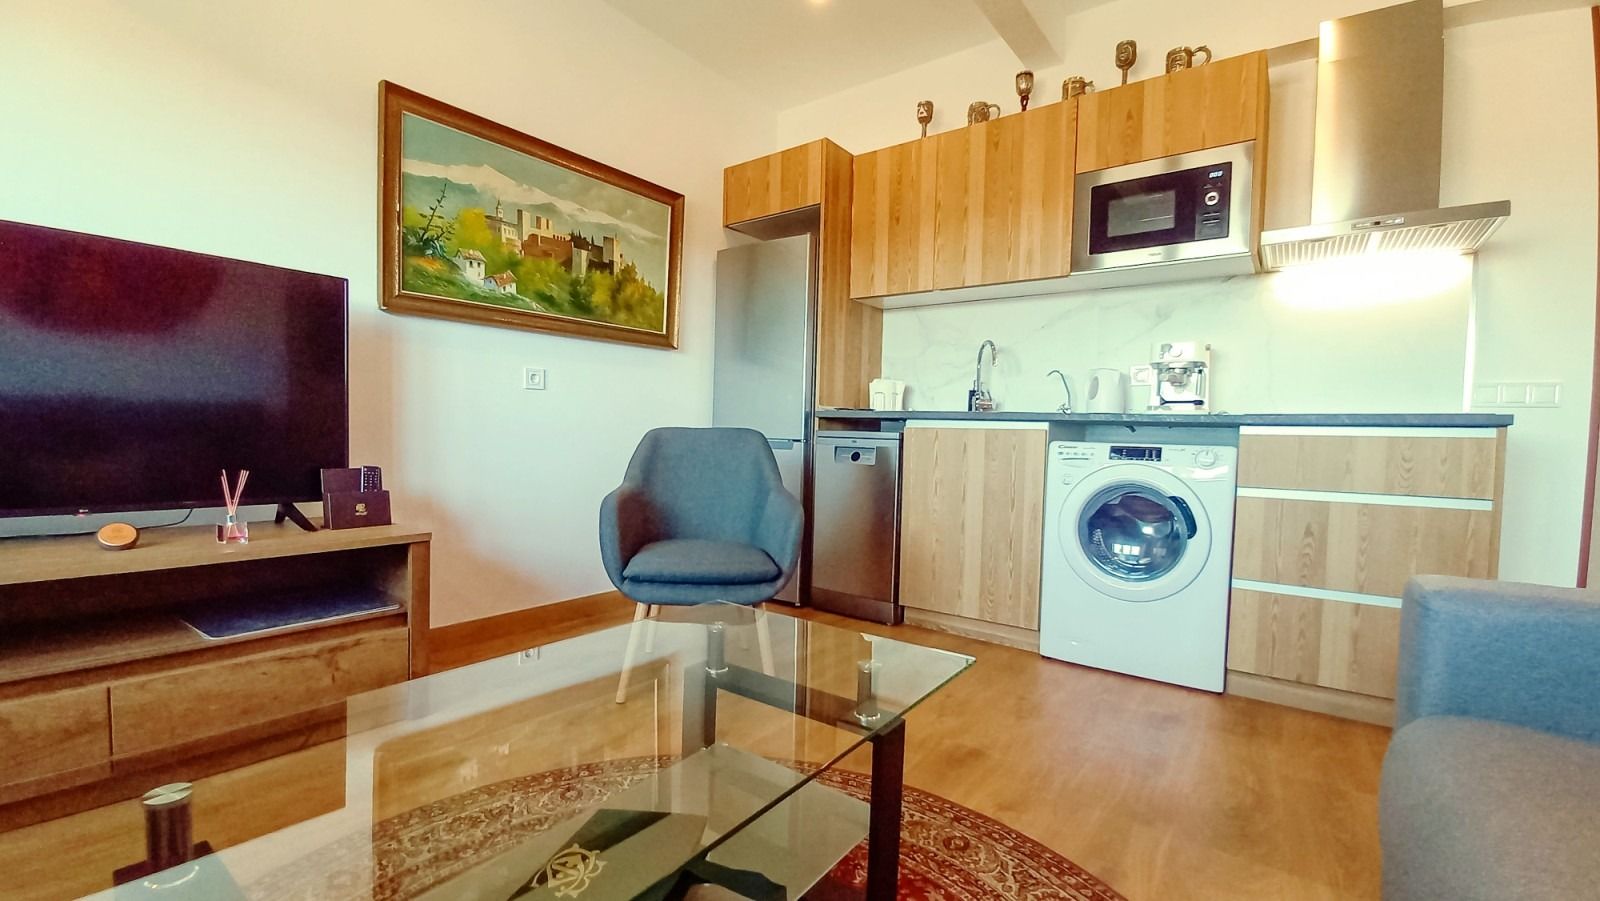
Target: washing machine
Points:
x,y
1138,546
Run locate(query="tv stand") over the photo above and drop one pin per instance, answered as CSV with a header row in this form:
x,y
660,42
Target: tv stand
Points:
x,y
293,514
106,689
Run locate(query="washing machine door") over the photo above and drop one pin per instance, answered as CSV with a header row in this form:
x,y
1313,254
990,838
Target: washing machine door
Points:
x,y
1136,533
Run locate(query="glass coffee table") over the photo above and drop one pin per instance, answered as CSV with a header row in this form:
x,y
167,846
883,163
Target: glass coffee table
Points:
x,y
525,777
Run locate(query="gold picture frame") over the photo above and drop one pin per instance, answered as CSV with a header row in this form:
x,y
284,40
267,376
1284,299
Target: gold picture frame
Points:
x,y
585,249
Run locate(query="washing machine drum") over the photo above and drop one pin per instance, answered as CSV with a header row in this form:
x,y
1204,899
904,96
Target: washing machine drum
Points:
x,y
1134,534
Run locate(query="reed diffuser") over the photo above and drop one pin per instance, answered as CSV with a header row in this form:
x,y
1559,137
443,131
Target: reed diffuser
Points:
x,y
232,531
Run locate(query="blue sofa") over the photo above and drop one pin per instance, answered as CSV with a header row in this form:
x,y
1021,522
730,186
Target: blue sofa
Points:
x,y
1491,784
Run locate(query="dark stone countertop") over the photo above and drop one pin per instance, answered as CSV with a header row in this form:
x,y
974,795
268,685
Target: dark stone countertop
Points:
x,y
1194,420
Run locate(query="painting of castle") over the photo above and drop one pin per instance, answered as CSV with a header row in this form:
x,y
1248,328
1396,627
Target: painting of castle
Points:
x,y
483,223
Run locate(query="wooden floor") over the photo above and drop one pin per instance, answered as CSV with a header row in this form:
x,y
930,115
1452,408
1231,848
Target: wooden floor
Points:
x,y
1163,792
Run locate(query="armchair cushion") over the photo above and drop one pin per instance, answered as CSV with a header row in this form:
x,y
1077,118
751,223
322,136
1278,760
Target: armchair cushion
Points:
x,y
689,560
1480,810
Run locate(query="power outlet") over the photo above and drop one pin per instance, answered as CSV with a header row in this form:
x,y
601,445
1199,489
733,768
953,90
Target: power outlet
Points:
x,y
533,379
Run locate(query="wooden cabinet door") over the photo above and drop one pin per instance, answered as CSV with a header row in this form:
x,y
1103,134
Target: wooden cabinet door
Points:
x,y
181,706
61,733
972,522
1004,199
1220,103
776,183
892,220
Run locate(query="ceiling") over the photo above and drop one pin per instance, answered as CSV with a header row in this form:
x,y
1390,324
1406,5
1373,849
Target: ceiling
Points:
x,y
793,51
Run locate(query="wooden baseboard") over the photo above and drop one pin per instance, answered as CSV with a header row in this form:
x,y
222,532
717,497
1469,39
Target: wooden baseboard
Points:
x,y
997,633
1344,704
459,644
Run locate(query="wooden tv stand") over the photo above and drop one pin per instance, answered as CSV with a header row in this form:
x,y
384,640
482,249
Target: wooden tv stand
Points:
x,y
106,692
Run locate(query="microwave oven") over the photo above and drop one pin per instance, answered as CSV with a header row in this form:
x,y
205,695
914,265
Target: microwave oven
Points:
x,y
1191,208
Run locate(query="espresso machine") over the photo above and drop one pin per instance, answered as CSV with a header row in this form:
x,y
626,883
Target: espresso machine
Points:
x,y
1181,377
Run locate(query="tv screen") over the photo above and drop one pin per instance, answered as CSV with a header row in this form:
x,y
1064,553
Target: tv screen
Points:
x,y
132,375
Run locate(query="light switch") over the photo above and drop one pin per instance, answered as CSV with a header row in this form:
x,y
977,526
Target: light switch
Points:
x,y
533,379
1485,395
1544,394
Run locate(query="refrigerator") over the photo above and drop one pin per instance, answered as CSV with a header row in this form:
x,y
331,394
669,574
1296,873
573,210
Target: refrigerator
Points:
x,y
764,356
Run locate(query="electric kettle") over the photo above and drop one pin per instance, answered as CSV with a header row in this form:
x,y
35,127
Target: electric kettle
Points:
x,y
1107,391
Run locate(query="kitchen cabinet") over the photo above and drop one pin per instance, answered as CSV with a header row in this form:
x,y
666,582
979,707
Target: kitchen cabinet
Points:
x,y
1222,102
1328,528
987,204
1003,200
808,189
972,508
781,182
892,220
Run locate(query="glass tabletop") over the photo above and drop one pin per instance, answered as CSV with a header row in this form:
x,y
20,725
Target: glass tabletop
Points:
x,y
533,776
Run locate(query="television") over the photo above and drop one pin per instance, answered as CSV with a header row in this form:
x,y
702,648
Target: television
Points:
x,y
132,375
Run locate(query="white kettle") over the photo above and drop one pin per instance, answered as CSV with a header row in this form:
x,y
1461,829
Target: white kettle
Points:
x,y
1107,391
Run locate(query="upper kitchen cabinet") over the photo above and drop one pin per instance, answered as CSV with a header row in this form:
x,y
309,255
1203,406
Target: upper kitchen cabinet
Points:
x,y
1219,103
781,182
892,220
1003,201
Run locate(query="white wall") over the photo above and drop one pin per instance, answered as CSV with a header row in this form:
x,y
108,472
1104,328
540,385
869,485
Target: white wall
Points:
x,y
1519,125
250,130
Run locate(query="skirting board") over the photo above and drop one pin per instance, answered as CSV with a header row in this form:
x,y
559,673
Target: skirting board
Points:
x,y
459,644
997,633
1343,704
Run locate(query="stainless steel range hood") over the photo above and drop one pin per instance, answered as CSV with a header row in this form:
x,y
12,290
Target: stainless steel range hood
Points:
x,y
1379,130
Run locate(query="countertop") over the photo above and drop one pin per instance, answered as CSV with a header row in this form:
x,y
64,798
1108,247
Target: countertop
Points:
x,y
1194,420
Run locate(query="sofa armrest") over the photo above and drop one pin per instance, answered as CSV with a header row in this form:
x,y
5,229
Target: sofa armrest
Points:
x,y
778,532
1528,655
627,524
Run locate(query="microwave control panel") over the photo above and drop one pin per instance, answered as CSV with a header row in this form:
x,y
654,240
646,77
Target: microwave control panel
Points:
x,y
1212,185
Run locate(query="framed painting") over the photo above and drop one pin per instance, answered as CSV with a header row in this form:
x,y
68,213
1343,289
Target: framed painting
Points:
x,y
482,223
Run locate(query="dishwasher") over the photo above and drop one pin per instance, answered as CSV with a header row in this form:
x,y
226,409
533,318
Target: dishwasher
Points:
x,y
855,531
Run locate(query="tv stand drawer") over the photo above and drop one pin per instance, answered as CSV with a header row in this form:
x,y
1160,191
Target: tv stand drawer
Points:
x,y
183,706
52,735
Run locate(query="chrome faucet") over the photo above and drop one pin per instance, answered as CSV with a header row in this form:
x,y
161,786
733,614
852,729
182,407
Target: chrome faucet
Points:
x,y
979,400
1066,407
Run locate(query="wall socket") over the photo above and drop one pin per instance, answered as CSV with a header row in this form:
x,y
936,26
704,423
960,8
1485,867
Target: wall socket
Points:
x,y
533,378
1516,394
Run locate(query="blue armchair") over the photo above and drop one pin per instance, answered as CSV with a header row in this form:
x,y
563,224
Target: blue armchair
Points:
x,y
1491,785
700,516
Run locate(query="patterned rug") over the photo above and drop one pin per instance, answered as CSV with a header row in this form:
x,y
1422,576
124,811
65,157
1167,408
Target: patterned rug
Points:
x,y
947,852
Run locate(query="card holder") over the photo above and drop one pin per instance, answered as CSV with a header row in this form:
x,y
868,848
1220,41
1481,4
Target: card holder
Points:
x,y
354,509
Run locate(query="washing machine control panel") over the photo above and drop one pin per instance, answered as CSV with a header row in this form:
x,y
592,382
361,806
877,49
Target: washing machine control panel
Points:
x,y
1136,454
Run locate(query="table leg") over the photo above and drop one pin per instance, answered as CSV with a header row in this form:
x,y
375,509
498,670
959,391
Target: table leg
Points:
x,y
883,829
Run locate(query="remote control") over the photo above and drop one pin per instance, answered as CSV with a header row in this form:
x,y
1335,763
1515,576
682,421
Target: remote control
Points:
x,y
371,478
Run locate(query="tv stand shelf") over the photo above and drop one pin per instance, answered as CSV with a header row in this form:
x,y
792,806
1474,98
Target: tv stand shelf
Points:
x,y
106,690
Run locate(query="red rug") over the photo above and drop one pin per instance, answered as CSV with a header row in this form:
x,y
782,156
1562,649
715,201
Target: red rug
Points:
x,y
947,852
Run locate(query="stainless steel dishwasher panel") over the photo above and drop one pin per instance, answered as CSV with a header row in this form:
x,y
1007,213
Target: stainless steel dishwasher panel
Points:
x,y
856,524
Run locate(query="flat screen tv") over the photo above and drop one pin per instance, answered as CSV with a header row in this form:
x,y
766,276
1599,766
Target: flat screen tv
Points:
x,y
132,375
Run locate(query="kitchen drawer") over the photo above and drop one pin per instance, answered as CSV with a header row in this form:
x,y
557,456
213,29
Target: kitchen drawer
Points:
x,y
51,734
1454,467
1334,644
211,699
1357,547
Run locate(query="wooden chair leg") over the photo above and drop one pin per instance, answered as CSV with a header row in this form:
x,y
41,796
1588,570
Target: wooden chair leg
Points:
x,y
650,628
764,640
627,656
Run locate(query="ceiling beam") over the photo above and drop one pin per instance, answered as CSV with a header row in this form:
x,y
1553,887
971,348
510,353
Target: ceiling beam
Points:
x,y
1017,26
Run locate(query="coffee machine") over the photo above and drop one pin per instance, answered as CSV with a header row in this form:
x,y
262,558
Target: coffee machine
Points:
x,y
1181,377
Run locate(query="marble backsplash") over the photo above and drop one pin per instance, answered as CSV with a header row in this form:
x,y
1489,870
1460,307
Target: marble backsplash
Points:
x,y
1281,343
